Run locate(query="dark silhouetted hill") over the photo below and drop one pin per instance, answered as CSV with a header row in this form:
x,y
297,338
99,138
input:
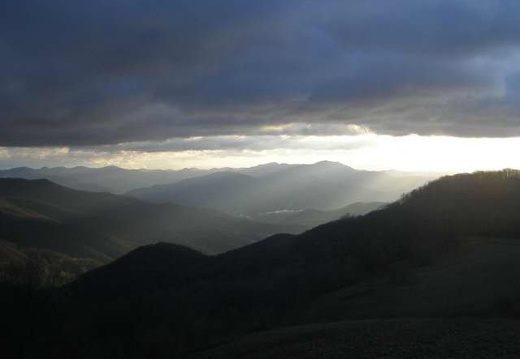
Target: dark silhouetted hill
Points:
x,y
422,256
422,246
152,268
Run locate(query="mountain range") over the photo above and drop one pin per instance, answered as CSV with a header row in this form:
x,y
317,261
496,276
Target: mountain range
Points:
x,y
44,216
44,223
272,192
105,179
320,186
434,253
119,180
410,269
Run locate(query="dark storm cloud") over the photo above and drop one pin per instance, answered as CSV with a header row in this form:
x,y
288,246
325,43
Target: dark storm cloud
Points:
x,y
102,72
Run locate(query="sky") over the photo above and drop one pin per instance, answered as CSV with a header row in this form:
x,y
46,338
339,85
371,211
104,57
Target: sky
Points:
x,y
431,85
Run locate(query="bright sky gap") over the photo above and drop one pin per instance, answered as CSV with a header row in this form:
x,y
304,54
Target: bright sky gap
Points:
x,y
368,152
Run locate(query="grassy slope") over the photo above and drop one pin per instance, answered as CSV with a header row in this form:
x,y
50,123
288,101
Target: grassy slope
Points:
x,y
370,339
478,281
481,278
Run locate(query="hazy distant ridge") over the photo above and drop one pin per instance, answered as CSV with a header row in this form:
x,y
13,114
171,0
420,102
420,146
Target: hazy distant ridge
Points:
x,y
321,186
42,214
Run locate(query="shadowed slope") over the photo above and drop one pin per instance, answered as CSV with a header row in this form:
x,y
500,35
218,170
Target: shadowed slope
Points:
x,y
151,268
276,281
372,339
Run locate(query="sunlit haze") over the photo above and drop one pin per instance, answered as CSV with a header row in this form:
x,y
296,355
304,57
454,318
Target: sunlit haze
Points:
x,y
368,152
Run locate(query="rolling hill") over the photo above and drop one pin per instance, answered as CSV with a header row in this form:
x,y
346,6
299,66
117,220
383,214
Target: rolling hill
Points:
x,y
422,256
101,226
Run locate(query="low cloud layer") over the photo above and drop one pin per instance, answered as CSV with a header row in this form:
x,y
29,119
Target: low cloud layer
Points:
x,y
81,73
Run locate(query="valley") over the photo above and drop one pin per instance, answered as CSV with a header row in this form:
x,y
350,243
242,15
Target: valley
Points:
x,y
443,253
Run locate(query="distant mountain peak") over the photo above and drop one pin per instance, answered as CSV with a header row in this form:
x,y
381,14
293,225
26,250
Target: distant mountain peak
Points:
x,y
270,164
112,167
332,164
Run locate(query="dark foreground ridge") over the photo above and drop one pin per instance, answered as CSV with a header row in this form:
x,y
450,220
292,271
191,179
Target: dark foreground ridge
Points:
x,y
373,339
163,300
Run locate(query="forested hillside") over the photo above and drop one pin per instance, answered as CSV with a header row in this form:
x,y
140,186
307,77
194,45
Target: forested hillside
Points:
x,y
41,215
181,300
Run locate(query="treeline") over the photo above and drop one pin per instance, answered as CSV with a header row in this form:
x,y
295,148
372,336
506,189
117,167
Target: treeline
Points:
x,y
40,268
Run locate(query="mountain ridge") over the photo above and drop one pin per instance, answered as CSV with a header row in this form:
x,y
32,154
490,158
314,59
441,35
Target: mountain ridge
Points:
x,y
103,226
321,186
273,282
